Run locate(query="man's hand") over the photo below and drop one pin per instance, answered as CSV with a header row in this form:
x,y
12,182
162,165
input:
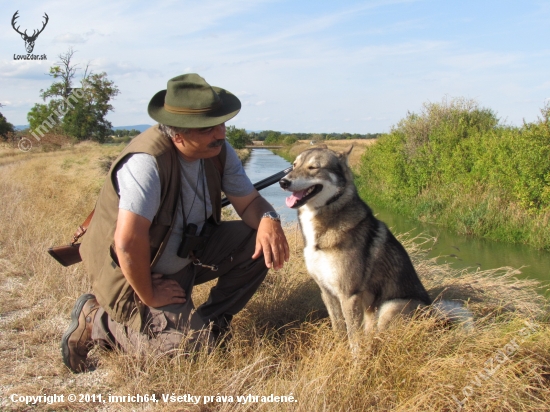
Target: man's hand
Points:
x,y
271,241
165,292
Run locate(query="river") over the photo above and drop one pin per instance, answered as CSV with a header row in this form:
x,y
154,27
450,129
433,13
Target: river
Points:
x,y
459,251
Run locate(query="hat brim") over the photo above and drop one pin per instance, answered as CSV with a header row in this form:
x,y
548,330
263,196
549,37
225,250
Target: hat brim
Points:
x,y
231,105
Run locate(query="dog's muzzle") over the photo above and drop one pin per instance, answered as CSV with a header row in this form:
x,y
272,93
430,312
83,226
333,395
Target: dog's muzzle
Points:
x,y
284,183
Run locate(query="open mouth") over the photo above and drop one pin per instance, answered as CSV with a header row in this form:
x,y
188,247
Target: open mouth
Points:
x,y
297,199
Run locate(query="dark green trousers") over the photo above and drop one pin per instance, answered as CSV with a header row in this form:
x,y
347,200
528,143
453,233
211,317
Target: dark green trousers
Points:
x,y
230,248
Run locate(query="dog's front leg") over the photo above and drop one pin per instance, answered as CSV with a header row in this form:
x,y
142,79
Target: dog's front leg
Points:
x,y
354,312
334,311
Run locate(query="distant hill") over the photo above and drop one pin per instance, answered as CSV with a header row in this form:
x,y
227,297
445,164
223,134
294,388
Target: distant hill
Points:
x,y
140,127
22,126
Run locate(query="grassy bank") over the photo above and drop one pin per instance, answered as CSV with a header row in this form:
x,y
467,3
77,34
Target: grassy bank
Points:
x,y
282,342
456,165
243,154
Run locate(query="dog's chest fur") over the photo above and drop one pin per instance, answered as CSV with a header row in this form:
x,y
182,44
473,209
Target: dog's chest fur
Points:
x,y
323,265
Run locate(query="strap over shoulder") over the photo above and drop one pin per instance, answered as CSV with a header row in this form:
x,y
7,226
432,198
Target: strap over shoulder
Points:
x,y
82,228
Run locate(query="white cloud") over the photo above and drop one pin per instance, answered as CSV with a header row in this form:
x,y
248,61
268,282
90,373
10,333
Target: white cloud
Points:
x,y
23,69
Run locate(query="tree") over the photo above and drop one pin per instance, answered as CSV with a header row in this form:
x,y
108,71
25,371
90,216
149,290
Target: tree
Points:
x,y
272,138
290,140
78,112
5,126
238,138
43,119
65,71
87,120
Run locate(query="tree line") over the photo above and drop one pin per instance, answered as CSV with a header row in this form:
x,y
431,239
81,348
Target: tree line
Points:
x,y
240,138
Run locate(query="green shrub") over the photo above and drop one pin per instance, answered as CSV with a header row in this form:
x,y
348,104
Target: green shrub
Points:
x,y
238,138
290,140
455,164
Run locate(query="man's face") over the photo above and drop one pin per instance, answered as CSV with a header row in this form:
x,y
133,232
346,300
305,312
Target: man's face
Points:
x,y
201,143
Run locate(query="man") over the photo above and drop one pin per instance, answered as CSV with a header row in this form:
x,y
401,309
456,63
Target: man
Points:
x,y
141,251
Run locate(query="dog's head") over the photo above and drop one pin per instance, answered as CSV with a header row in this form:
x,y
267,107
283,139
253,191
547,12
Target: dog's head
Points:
x,y
319,176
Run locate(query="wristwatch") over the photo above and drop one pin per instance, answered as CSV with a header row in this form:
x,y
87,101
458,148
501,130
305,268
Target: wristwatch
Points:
x,y
272,215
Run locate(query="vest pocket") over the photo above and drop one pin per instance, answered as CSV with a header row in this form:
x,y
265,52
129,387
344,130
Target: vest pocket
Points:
x,y
124,304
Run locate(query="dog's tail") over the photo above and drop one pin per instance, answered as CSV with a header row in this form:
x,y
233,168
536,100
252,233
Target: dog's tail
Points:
x,y
454,312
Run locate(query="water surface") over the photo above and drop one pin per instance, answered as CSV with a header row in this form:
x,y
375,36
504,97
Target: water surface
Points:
x,y
263,163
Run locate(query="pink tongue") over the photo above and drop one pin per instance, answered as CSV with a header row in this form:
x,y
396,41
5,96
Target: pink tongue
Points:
x,y
294,197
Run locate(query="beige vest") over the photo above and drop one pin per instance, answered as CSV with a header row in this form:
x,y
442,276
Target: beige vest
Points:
x,y
110,287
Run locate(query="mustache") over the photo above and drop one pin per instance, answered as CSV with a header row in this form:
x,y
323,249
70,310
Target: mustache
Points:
x,y
217,143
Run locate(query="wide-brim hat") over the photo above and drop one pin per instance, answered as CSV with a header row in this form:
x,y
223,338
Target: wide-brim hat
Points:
x,y
190,102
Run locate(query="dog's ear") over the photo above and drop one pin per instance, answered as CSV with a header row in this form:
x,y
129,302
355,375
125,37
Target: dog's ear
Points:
x,y
345,153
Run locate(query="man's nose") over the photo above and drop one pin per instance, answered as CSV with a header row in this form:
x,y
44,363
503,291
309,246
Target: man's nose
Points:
x,y
219,131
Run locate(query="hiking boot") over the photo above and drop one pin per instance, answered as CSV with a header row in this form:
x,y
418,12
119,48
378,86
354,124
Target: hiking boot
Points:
x,y
77,340
220,330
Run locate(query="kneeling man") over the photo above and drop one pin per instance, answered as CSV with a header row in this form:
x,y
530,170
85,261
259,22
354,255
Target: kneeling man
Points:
x,y
157,231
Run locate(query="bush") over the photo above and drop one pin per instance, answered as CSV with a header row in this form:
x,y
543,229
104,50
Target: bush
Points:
x,y
238,138
439,164
290,140
273,138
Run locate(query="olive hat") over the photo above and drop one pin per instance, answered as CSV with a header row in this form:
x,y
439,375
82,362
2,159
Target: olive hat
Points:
x,y
190,102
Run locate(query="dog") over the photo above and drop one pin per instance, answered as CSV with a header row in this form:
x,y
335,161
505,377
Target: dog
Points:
x,y
365,275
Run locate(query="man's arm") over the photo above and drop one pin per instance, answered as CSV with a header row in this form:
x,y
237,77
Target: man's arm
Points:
x,y
270,240
132,249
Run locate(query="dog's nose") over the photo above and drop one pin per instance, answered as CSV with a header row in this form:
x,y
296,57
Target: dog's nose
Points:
x,y
285,183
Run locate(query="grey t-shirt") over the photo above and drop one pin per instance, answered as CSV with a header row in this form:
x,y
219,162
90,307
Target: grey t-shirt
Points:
x,y
139,189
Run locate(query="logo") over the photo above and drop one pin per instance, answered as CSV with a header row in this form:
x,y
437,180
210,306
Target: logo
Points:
x,y
29,40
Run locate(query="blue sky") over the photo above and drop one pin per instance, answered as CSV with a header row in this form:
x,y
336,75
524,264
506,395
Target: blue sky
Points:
x,y
297,66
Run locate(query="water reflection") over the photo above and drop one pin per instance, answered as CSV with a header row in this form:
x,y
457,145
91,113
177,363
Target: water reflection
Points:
x,y
468,251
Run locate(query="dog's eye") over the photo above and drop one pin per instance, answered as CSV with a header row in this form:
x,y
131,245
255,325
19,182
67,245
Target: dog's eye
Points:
x,y
313,167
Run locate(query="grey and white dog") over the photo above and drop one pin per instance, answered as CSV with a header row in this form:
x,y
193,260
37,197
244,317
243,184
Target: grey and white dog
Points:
x,y
365,275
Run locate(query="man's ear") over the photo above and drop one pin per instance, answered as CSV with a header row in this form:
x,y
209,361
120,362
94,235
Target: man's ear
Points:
x,y
178,139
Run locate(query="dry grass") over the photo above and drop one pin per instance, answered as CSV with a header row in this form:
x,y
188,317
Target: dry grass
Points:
x,y
282,342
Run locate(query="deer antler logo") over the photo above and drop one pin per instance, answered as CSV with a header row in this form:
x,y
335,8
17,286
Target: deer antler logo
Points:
x,y
29,40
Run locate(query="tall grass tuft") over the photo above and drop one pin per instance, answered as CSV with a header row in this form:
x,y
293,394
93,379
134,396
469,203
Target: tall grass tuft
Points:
x,y
456,164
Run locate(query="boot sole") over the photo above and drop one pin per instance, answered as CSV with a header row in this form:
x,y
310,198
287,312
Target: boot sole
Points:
x,y
75,314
